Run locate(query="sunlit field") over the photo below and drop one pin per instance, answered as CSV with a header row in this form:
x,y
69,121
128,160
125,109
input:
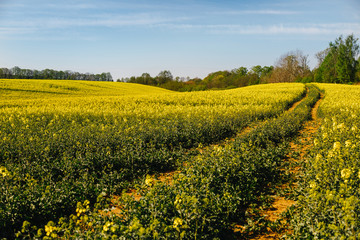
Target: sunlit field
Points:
x,y
68,141
70,150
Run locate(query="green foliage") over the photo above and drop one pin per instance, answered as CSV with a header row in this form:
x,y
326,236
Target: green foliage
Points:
x,y
212,192
73,145
18,73
347,64
164,77
239,77
328,202
340,64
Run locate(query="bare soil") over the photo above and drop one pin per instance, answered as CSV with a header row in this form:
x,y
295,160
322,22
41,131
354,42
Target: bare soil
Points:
x,y
301,147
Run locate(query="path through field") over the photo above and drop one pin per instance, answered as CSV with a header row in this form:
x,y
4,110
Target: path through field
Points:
x,y
168,176
299,149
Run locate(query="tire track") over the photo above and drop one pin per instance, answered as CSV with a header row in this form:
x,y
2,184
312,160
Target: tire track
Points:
x,y
281,204
168,176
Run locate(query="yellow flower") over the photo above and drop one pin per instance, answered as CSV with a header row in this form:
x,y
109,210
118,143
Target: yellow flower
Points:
x,y
346,173
107,226
4,172
86,202
313,185
348,143
177,222
149,181
337,146
177,200
318,157
113,229
142,231
50,228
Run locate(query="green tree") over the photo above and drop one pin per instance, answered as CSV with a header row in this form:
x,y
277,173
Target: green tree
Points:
x,y
147,79
16,71
257,70
340,64
241,71
164,76
357,77
346,65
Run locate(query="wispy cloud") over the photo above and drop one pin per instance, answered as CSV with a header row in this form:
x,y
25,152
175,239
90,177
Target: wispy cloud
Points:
x,y
12,31
295,29
73,6
106,21
55,17
258,12
96,20
163,23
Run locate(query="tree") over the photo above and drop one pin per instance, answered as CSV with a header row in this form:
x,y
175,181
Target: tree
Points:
x,y
340,64
164,76
257,70
109,77
16,71
6,73
346,65
357,77
291,67
147,79
241,71
321,56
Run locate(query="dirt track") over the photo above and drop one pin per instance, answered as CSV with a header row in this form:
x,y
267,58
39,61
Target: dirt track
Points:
x,y
300,147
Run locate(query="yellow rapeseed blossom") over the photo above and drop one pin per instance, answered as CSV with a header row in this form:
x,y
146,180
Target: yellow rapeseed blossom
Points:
x,y
177,199
107,226
318,157
346,173
50,228
4,172
337,146
313,185
149,180
177,222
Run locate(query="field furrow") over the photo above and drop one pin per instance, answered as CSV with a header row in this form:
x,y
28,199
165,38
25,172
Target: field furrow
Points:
x,y
212,193
59,149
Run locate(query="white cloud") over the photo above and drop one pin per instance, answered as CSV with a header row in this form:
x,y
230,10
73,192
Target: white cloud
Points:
x,y
307,29
73,6
11,31
99,20
259,12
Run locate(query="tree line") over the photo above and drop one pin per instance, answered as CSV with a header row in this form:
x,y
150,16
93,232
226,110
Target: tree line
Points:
x,y
238,77
339,63
19,73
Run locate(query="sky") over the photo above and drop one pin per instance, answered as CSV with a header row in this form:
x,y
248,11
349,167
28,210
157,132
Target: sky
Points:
x,y
190,38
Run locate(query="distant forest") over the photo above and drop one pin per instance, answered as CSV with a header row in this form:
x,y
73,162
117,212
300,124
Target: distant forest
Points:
x,y
339,63
19,73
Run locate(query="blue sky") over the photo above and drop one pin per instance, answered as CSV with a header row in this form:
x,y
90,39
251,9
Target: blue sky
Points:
x,y
188,37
